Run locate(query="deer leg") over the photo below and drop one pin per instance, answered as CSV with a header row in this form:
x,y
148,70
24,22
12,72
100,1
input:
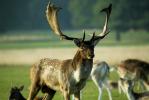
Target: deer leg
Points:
x,y
120,89
34,90
109,93
100,93
66,95
108,90
77,96
141,84
72,97
51,94
45,96
80,96
130,95
100,87
146,85
146,82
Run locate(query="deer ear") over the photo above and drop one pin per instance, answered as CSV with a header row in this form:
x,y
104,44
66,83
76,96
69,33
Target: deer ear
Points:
x,y
21,88
77,42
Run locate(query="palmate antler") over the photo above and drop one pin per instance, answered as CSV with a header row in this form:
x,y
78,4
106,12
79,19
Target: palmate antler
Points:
x,y
52,12
108,12
105,30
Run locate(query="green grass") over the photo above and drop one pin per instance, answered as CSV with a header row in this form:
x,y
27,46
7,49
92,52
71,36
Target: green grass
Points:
x,y
17,75
45,39
12,75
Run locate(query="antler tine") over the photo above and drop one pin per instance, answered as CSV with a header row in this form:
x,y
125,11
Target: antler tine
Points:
x,y
93,36
105,28
51,14
83,35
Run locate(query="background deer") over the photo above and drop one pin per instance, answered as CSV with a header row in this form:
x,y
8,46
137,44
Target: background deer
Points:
x,y
134,70
127,87
68,76
99,75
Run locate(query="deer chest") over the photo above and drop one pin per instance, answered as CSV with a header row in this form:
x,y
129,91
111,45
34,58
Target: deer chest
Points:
x,y
82,73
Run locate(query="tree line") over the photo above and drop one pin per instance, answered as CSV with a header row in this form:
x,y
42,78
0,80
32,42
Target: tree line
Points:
x,y
76,14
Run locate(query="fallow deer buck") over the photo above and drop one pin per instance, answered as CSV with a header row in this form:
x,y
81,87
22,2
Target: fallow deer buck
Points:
x,y
68,76
135,70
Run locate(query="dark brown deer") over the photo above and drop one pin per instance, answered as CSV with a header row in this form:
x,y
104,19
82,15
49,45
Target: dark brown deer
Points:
x,y
134,70
68,76
15,94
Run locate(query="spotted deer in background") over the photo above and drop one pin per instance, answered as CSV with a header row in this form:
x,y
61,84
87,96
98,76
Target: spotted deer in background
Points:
x,y
136,71
68,76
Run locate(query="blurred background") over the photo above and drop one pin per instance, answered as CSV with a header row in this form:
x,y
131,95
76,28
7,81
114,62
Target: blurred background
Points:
x,y
30,14
28,18
23,25
25,36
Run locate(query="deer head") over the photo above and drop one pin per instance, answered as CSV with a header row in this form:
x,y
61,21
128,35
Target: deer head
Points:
x,y
51,14
15,93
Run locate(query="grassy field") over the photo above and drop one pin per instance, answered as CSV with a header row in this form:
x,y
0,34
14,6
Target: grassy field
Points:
x,y
20,49
17,75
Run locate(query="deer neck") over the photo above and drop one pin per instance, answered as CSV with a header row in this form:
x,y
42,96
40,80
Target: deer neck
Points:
x,y
82,67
